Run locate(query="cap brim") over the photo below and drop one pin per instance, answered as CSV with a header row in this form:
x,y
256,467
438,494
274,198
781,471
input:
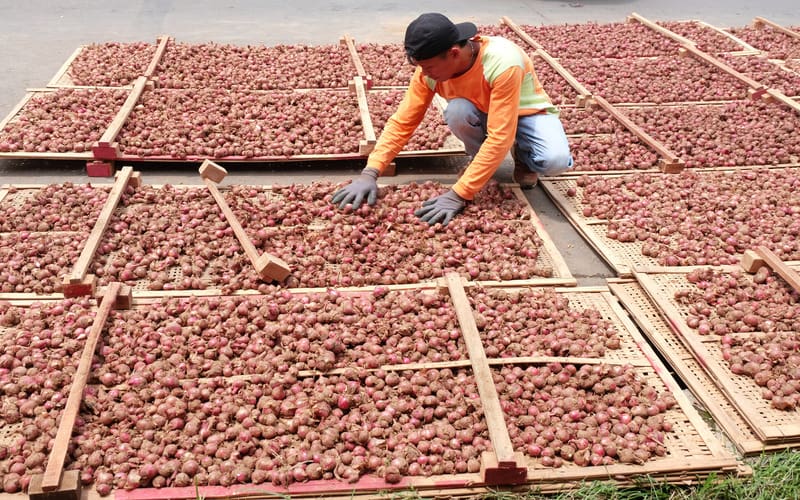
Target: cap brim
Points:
x,y
466,31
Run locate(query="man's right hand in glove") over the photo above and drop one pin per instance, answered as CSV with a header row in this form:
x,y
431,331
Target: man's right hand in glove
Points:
x,y
363,186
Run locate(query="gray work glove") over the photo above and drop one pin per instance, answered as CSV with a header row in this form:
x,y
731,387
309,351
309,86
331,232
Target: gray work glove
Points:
x,y
441,208
365,185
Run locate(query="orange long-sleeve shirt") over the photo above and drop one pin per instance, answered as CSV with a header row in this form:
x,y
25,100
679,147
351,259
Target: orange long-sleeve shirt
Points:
x,y
502,83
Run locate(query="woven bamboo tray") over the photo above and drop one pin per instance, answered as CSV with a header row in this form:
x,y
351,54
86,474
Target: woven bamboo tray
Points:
x,y
771,426
727,417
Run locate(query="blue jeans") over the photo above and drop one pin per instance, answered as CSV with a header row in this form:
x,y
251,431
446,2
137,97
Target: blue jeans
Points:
x,y
541,143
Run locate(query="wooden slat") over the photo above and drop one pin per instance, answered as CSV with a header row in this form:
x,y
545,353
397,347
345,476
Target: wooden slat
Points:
x,y
267,266
80,269
64,67
659,29
583,92
351,47
773,261
779,96
244,239
661,149
55,461
363,108
521,33
498,429
703,56
786,31
572,360
122,115
163,41
747,48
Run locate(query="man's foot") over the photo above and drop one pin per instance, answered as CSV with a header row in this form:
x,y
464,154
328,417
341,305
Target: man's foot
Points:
x,y
523,175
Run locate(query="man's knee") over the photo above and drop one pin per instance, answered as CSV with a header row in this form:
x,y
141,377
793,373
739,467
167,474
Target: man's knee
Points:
x,y
461,112
553,162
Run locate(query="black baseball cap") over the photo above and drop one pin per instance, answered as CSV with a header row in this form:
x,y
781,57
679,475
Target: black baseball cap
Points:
x,y
432,33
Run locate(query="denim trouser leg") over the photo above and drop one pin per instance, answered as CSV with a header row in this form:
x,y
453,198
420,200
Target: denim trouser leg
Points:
x,y
540,142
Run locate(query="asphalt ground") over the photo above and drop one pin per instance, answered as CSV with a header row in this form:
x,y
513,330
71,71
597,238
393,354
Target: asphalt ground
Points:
x,y
37,37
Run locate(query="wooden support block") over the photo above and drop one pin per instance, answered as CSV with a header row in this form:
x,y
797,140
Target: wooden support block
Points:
x,y
583,101
751,261
776,264
212,171
124,299
105,150
270,267
671,165
365,147
756,94
69,487
135,179
390,170
99,169
82,287
505,473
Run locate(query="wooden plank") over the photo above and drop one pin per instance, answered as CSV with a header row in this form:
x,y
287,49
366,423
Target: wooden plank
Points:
x,y
573,360
79,270
351,47
55,461
760,21
163,41
520,33
661,149
779,96
773,261
747,48
122,115
757,87
267,266
369,141
498,429
244,239
62,71
659,29
583,93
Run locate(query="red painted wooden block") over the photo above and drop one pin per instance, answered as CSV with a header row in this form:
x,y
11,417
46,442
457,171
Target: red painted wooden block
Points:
x,y
99,169
78,289
105,151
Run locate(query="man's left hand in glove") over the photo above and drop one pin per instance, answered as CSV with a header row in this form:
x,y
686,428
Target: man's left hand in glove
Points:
x,y
441,208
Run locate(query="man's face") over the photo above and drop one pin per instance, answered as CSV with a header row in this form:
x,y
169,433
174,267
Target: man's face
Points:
x,y
441,67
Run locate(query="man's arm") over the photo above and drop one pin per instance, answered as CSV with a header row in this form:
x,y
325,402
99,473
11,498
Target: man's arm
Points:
x,y
501,128
402,124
